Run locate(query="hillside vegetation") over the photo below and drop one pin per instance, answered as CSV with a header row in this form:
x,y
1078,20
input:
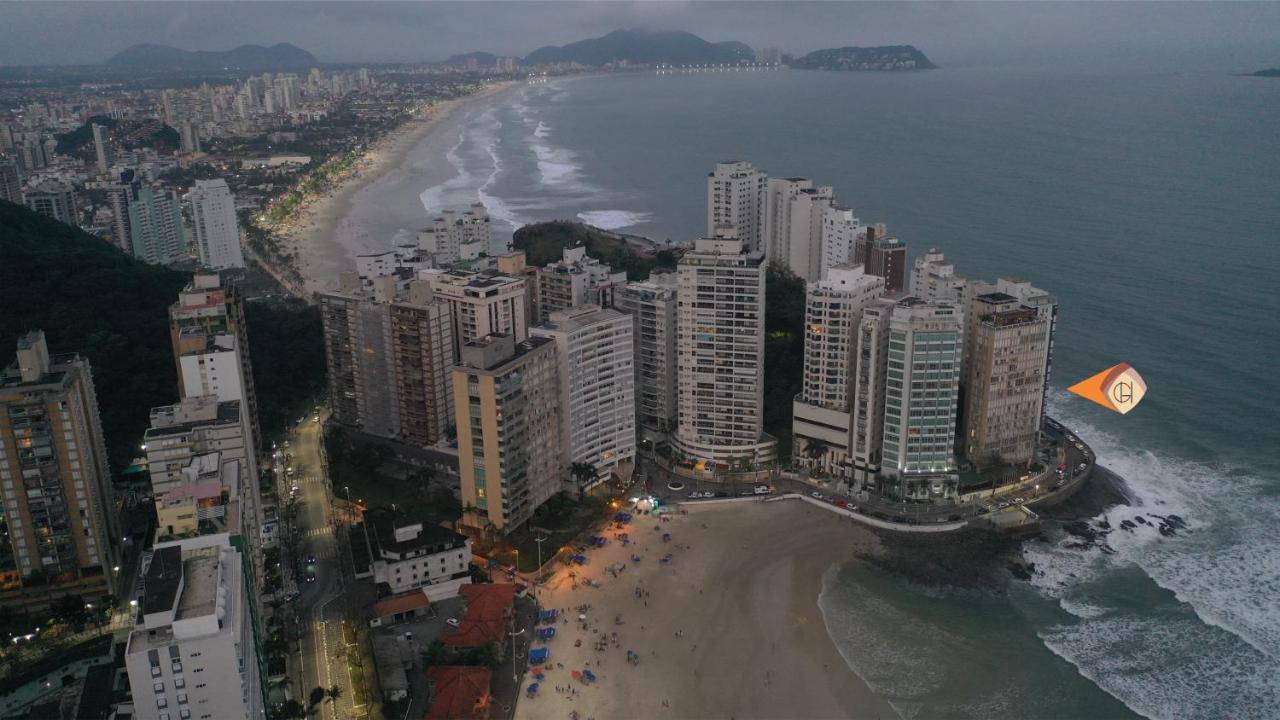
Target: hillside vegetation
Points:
x,y
545,242
90,298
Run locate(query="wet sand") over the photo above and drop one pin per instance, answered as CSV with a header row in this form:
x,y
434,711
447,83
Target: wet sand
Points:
x,y
742,592
328,232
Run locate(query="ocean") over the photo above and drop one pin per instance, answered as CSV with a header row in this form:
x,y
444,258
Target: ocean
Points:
x,y
1148,203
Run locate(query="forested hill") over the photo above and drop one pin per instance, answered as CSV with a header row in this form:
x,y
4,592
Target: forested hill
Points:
x,y
889,57
93,299
90,298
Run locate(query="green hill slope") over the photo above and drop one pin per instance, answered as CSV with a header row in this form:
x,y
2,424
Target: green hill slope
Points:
x,y
92,299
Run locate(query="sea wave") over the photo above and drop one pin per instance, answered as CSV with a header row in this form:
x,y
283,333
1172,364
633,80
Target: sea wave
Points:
x,y
543,130
614,219
1169,667
1226,567
438,197
1209,653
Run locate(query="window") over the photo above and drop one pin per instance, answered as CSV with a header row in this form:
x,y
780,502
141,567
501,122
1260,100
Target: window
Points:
x,y
158,687
162,702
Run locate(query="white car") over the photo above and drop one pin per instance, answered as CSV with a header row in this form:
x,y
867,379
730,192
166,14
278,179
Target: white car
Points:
x,y
762,490
816,494
453,621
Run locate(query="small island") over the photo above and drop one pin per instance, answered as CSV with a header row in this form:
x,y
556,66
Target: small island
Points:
x,y
1267,72
885,58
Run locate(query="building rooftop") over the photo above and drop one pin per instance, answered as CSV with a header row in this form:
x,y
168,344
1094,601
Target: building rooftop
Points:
x,y
163,577
432,538
996,298
200,583
458,692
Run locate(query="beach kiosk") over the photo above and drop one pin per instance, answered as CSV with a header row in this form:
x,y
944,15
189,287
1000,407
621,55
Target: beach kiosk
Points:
x,y
540,655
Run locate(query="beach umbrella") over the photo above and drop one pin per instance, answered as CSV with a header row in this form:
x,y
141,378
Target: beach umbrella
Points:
x,y
575,674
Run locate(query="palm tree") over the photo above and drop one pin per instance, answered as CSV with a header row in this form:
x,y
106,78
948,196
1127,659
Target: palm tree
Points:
x,y
333,693
582,473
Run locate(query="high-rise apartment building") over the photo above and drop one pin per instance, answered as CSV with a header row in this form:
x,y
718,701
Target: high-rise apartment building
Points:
x,y
191,428
389,364
57,515
482,304
887,257
453,238
736,199
575,280
652,304
933,277
1046,306
217,230
596,356
193,652
866,413
422,343
101,148
779,193
156,232
54,199
721,354
507,401
840,229
515,264
820,413
922,384
208,309
10,181
1004,393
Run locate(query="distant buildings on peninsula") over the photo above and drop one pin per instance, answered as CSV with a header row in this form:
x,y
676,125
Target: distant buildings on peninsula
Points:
x,y
912,374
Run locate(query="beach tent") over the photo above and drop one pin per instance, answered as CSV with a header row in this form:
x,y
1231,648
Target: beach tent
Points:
x,y
546,633
547,615
580,559
537,656
588,676
533,689
622,517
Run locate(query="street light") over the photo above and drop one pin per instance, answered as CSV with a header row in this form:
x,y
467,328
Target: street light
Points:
x,y
514,676
537,579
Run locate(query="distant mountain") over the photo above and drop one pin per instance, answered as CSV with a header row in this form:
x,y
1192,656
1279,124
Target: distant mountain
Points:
x,y
281,56
889,57
483,59
1269,72
645,47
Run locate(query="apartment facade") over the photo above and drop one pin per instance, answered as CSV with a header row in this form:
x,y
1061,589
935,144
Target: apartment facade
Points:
x,y
922,384
1005,388
217,229
207,309
58,510
191,428
192,654
866,413
820,413
575,280
933,277
408,555
736,199
453,238
508,405
720,347
157,235
595,351
482,304
653,305
53,199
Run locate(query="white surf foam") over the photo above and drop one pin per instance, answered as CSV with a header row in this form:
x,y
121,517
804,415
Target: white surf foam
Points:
x,y
438,197
1227,566
1169,667
614,219
543,130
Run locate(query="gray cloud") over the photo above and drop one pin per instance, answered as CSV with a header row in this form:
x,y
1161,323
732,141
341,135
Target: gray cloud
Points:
x,y
1221,36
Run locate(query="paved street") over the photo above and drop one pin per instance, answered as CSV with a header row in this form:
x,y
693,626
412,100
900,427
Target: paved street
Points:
x,y
320,606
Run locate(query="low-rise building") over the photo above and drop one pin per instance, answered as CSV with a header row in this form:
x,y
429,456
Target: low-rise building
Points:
x,y
409,555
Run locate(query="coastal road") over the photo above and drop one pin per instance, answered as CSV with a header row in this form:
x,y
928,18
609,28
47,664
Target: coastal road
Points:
x,y
320,605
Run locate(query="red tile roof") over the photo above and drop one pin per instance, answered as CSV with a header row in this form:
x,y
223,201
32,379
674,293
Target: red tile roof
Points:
x,y
404,602
485,621
460,693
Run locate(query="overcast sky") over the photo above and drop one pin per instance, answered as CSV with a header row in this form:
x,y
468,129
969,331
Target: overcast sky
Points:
x,y
1218,36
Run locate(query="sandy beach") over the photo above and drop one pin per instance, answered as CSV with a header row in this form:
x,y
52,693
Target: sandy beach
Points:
x,y
324,235
729,628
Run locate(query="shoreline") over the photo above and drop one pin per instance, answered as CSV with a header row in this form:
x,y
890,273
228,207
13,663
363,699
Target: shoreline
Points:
x,y
316,236
740,598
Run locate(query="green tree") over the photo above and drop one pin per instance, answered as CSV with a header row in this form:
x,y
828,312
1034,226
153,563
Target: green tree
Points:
x,y
316,696
333,692
582,473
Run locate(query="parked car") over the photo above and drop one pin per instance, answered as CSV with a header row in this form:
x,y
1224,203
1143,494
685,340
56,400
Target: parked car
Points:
x,y
453,621
816,494
762,490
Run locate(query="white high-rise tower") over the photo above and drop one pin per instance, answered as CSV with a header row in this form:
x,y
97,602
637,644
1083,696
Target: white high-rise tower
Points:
x,y
736,199
213,215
